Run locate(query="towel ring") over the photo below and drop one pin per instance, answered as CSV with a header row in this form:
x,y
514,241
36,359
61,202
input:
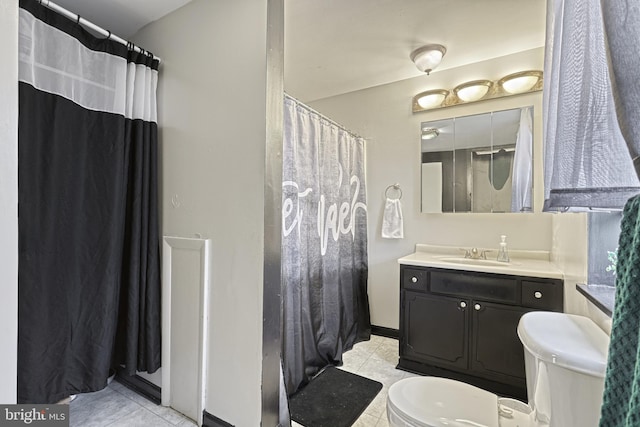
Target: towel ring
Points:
x,y
393,187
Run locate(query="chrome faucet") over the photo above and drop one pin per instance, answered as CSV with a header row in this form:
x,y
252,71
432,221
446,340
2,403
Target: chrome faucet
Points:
x,y
475,253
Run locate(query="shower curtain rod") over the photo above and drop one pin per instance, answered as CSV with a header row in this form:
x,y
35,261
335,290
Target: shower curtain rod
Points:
x,y
333,122
80,20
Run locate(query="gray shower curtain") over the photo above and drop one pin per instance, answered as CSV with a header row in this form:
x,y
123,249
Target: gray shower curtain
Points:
x,y
89,273
324,244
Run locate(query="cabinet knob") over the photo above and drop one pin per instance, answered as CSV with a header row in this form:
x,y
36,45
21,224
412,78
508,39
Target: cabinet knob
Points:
x,y
477,307
463,304
414,279
538,294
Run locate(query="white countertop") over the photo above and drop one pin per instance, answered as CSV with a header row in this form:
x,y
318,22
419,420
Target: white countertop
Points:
x,y
523,263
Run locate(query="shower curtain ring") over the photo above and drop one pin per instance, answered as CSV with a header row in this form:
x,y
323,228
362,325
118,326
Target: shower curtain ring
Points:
x,y
78,19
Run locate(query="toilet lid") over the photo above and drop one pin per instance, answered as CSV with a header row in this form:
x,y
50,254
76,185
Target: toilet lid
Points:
x,y
441,402
571,341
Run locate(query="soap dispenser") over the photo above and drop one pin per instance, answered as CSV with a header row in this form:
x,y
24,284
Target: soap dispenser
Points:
x,y
503,254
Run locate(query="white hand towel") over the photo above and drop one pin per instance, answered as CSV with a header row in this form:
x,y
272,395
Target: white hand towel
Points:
x,y
392,226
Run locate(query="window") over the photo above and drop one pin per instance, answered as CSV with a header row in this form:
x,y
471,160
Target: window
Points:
x,y
604,230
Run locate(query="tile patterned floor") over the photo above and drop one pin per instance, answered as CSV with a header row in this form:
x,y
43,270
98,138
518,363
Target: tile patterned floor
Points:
x,y
375,359
117,406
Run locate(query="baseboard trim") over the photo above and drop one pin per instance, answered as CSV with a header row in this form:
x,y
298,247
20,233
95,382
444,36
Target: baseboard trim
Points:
x,y
209,420
140,385
385,332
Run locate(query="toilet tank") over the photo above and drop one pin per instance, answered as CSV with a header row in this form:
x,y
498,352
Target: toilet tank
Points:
x,y
565,360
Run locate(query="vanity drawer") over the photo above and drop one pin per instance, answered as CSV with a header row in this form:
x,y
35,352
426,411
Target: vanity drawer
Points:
x,y
414,279
542,295
487,287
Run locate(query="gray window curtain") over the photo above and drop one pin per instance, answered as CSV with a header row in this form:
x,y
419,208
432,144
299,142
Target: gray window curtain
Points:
x,y
622,28
587,164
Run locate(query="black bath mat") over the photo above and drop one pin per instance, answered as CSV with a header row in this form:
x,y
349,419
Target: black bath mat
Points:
x,y
334,398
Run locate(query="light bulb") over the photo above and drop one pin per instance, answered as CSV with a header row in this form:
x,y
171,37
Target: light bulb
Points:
x,y
431,98
520,82
472,91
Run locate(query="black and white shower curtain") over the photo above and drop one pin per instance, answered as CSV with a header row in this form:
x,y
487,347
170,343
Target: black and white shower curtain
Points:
x,y
89,276
324,244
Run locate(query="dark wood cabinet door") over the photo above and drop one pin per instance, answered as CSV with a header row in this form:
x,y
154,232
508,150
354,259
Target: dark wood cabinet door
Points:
x,y
435,329
496,349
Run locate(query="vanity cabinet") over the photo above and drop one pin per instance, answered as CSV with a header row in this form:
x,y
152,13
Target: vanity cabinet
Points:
x,y
436,329
463,324
496,348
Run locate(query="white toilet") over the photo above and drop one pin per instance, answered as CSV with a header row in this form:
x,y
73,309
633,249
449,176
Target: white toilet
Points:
x,y
565,362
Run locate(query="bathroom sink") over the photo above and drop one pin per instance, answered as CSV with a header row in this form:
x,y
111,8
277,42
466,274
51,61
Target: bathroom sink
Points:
x,y
472,261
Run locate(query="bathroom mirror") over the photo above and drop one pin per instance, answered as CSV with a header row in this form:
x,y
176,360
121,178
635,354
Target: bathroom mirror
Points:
x,y
479,163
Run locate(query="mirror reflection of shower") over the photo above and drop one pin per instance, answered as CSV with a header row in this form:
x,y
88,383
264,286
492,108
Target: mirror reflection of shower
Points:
x,y
478,163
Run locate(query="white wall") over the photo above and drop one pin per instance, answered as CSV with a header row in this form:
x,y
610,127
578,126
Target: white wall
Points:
x,y
383,116
570,253
212,108
9,198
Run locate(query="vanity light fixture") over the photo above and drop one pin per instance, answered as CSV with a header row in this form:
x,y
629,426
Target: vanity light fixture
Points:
x,y
428,57
430,99
430,133
479,90
520,82
472,91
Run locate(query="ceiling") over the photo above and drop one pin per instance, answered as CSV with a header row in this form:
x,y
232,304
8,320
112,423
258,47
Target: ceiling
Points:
x,y
337,46
122,17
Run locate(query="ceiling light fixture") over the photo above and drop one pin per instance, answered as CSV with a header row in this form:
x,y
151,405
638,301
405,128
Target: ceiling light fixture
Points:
x,y
479,90
428,57
520,82
472,91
